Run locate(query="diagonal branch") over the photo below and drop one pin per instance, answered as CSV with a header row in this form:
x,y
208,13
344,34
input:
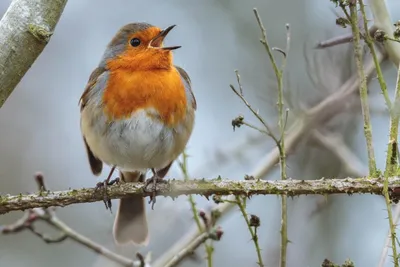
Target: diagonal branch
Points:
x,y
383,22
31,216
202,187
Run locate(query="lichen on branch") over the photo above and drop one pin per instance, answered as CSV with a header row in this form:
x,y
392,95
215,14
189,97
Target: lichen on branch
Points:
x,y
202,187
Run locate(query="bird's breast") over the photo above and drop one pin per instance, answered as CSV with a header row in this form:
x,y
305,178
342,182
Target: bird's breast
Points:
x,y
161,91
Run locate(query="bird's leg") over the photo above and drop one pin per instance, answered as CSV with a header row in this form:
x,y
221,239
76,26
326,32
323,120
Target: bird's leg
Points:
x,y
156,178
104,184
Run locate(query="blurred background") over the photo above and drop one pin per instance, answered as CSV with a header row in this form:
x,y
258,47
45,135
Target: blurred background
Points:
x,y
39,129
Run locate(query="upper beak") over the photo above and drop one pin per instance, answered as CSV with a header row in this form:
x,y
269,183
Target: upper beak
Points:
x,y
157,41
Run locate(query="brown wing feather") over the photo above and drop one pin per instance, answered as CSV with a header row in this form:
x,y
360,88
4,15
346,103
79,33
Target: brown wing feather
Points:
x,y
92,81
96,165
186,77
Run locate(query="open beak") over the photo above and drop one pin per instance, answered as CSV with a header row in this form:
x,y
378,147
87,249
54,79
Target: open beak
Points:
x,y
158,40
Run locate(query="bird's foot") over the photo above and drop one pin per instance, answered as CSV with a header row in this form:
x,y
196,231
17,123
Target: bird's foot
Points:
x,y
154,180
107,182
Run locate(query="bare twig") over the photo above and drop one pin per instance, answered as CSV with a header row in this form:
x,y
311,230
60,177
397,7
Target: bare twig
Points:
x,y
49,216
241,202
391,167
209,248
255,113
203,237
391,157
281,123
239,121
25,29
370,42
363,88
396,217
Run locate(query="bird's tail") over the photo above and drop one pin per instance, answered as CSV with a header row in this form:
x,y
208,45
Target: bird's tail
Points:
x,y
130,223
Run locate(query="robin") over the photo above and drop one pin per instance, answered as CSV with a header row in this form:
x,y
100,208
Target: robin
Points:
x,y
137,114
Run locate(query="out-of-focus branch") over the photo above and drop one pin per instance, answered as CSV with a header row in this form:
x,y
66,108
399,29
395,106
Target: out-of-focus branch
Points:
x,y
335,144
396,217
191,248
200,187
49,216
341,39
39,214
383,22
25,29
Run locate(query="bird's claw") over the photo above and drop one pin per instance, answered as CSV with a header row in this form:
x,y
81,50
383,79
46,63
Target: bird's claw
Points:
x,y
104,185
154,180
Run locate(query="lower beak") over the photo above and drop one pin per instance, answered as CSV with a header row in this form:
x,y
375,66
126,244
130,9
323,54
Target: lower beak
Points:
x,y
157,41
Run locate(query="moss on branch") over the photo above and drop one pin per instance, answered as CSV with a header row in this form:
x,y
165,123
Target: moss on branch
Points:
x,y
203,187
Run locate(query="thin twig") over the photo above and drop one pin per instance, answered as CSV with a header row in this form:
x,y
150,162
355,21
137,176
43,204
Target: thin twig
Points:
x,y
240,201
392,39
95,247
391,157
176,259
392,168
49,216
363,88
370,42
209,248
183,167
268,129
239,121
388,237
264,41
281,124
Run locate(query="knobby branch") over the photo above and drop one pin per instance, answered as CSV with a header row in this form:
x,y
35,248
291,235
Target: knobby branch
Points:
x,y
208,188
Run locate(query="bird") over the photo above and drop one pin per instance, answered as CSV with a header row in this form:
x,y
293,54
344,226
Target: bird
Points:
x,y
137,113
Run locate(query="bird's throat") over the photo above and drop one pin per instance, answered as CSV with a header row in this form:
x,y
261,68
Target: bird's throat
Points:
x,y
149,59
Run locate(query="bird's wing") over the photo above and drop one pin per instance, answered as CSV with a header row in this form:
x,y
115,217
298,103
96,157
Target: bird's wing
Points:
x,y
188,86
89,86
95,164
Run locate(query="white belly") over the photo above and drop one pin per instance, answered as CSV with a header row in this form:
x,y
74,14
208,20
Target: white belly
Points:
x,y
137,143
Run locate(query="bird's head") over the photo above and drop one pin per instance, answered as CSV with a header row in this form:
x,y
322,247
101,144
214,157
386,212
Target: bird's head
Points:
x,y
139,46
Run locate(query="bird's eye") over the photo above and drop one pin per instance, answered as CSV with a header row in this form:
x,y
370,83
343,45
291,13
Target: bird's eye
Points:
x,y
135,42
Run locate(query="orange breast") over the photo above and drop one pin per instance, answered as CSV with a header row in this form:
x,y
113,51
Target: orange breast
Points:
x,y
129,91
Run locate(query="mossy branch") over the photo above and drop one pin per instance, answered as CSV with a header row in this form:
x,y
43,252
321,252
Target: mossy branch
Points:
x,y
202,187
363,87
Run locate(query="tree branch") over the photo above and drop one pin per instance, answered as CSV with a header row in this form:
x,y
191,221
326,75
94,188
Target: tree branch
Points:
x,y
27,222
25,29
201,187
